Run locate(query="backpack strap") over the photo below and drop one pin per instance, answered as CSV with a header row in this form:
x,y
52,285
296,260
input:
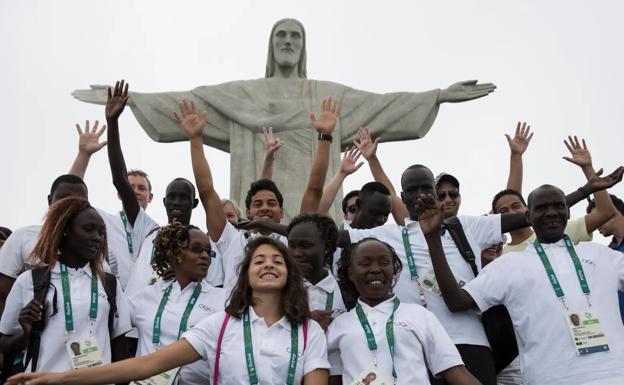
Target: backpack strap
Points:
x,y
454,227
41,283
215,376
110,287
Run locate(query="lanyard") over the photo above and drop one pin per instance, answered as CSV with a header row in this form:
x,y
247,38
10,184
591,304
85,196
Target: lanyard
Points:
x,y
329,301
67,305
185,315
251,366
124,219
408,254
154,248
552,277
370,337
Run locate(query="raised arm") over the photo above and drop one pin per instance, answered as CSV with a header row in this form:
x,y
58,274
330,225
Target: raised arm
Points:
x,y
192,125
88,144
517,146
348,166
430,220
581,157
368,147
272,146
115,105
324,125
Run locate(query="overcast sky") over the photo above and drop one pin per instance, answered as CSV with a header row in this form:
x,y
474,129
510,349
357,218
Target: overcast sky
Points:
x,y
557,65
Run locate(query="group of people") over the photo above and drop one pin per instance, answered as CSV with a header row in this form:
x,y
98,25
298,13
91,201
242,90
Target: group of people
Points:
x,y
252,300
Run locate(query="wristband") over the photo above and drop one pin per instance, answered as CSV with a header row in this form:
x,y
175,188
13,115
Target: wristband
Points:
x,y
585,191
327,137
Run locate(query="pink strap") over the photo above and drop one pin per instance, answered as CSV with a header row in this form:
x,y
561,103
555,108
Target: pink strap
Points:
x,y
218,353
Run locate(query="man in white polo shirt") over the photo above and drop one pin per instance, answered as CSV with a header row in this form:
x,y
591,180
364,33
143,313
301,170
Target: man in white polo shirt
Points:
x,y
562,298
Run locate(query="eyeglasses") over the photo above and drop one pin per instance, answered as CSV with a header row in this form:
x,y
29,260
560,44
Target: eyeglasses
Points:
x,y
195,248
352,209
453,194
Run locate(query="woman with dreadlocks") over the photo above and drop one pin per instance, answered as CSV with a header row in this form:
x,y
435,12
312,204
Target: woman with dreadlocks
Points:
x,y
312,240
163,311
78,332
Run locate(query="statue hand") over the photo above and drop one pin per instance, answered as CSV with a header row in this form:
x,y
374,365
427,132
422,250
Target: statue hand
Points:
x,y
272,144
89,140
192,123
97,94
116,101
327,119
464,91
429,214
521,139
367,147
349,164
580,154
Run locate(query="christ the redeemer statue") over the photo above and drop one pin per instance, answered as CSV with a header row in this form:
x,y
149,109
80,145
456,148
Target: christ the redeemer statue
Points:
x,y
283,100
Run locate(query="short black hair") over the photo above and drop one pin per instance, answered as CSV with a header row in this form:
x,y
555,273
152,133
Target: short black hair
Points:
x,y
346,198
326,227
372,187
4,233
263,184
66,178
504,192
617,202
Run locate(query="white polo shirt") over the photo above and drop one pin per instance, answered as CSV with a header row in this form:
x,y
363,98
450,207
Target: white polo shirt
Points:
x,y
16,249
576,229
231,245
318,294
271,349
143,310
481,231
547,352
120,258
53,354
420,344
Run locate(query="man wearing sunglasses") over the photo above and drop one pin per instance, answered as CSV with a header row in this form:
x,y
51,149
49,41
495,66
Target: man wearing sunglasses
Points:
x,y
447,187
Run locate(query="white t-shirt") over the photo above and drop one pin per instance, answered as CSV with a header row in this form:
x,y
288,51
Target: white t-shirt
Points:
x,y
271,349
420,343
16,249
481,231
53,354
576,229
119,257
547,352
318,294
231,245
145,305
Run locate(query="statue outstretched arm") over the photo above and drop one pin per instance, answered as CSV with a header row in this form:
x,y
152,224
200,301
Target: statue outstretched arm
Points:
x,y
464,91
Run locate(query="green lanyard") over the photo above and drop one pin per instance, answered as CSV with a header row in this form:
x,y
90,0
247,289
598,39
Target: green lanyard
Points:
x,y
124,219
67,305
251,366
154,248
329,301
185,315
408,254
370,337
552,277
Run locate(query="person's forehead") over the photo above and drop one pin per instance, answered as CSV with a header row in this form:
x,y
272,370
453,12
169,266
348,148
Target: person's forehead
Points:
x,y
264,195
89,215
179,186
267,250
288,26
417,176
371,248
547,195
445,186
351,201
196,235
304,230
507,199
137,179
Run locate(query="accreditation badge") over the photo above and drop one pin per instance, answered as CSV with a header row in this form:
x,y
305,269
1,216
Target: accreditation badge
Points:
x,y
586,332
165,378
83,352
429,282
372,377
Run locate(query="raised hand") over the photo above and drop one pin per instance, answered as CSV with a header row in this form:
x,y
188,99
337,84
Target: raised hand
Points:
x,y
272,144
349,164
598,183
365,144
580,154
519,143
30,313
192,123
89,139
464,91
117,100
429,214
327,119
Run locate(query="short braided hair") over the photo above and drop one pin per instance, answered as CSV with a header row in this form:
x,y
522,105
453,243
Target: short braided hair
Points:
x,y
169,244
326,227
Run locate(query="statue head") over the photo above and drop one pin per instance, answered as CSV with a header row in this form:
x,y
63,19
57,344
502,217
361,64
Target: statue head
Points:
x,y
287,47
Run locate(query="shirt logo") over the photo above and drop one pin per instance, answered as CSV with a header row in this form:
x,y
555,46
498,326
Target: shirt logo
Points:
x,y
206,308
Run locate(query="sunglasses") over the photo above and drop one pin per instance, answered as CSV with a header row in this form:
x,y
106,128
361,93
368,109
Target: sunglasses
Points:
x,y
352,209
195,248
453,194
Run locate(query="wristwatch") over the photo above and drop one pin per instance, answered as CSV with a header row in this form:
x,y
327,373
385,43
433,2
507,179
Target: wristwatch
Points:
x,y
322,136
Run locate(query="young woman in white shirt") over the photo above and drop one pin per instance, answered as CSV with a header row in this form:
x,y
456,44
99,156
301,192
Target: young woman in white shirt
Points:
x,y
72,243
268,337
163,311
383,340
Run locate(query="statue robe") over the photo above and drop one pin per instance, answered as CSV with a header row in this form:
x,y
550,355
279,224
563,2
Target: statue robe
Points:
x,y
238,110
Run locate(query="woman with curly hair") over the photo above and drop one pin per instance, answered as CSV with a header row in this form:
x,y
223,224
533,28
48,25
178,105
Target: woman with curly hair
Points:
x,y
265,336
312,240
72,244
163,311
382,338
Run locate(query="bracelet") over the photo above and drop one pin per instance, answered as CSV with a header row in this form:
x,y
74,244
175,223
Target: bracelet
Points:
x,y
585,191
327,137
